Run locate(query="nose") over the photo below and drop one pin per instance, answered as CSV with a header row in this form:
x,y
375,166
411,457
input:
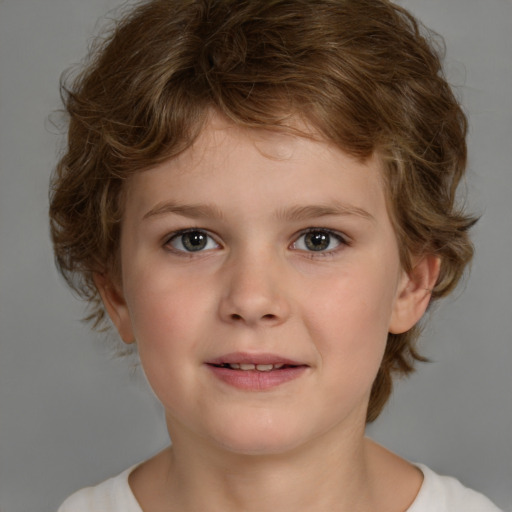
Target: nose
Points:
x,y
254,292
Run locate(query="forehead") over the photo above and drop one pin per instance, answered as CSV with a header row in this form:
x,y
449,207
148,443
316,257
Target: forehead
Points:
x,y
228,163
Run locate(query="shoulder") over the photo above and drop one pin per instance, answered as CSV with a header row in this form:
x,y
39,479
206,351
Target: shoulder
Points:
x,y
446,494
112,495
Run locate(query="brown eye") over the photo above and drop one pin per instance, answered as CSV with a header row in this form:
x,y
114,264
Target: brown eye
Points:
x,y
192,241
318,240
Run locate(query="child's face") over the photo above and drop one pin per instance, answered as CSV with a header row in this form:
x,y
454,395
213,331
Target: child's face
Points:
x,y
288,256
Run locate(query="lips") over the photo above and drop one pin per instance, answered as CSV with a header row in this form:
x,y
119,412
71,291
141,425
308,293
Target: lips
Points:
x,y
251,366
255,359
255,372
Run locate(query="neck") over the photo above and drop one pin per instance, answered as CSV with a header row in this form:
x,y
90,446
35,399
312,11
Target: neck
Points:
x,y
342,472
330,473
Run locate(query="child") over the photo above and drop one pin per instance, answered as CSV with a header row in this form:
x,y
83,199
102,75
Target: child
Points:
x,y
261,195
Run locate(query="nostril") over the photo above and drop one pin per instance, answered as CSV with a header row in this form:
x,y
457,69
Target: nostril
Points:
x,y
269,316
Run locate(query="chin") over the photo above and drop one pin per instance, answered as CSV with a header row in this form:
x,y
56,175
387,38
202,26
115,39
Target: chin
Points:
x,y
259,437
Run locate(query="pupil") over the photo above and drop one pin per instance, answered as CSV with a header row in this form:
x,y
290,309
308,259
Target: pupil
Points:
x,y
317,241
194,241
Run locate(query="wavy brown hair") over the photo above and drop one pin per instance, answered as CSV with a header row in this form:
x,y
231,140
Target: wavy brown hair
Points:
x,y
363,73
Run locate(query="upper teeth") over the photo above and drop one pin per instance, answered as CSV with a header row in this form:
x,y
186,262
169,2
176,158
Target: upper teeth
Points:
x,y
251,366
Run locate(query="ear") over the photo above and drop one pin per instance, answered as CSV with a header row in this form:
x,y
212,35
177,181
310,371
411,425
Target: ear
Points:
x,y
413,294
115,305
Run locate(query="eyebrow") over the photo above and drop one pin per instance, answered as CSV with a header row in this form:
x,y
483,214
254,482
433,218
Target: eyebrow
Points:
x,y
192,211
293,213
336,208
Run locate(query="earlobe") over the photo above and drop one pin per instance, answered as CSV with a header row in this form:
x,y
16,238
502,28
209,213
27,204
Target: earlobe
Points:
x,y
115,305
413,294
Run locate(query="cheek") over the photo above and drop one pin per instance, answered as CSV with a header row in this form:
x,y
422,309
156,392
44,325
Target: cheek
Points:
x,y
167,318
350,323
167,314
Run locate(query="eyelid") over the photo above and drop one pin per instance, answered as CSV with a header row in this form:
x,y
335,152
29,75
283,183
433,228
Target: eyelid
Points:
x,y
180,232
339,236
342,238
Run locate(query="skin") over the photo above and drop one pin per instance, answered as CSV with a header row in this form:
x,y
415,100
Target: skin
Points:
x,y
257,287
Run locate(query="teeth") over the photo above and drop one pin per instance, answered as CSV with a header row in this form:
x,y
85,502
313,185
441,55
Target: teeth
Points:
x,y
264,367
251,366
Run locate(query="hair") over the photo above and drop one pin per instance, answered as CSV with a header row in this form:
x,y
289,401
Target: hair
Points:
x,y
363,73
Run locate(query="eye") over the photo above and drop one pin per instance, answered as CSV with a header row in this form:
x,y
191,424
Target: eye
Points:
x,y
318,240
193,240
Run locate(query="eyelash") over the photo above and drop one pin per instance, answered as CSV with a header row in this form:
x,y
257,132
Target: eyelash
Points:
x,y
179,234
339,237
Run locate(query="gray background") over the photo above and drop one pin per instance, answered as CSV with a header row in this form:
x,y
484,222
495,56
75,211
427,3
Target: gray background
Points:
x,y
71,416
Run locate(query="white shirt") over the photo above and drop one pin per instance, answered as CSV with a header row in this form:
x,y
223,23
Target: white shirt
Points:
x,y
437,494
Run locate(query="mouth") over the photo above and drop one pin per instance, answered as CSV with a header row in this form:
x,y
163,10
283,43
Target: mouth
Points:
x,y
255,372
254,362
244,367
